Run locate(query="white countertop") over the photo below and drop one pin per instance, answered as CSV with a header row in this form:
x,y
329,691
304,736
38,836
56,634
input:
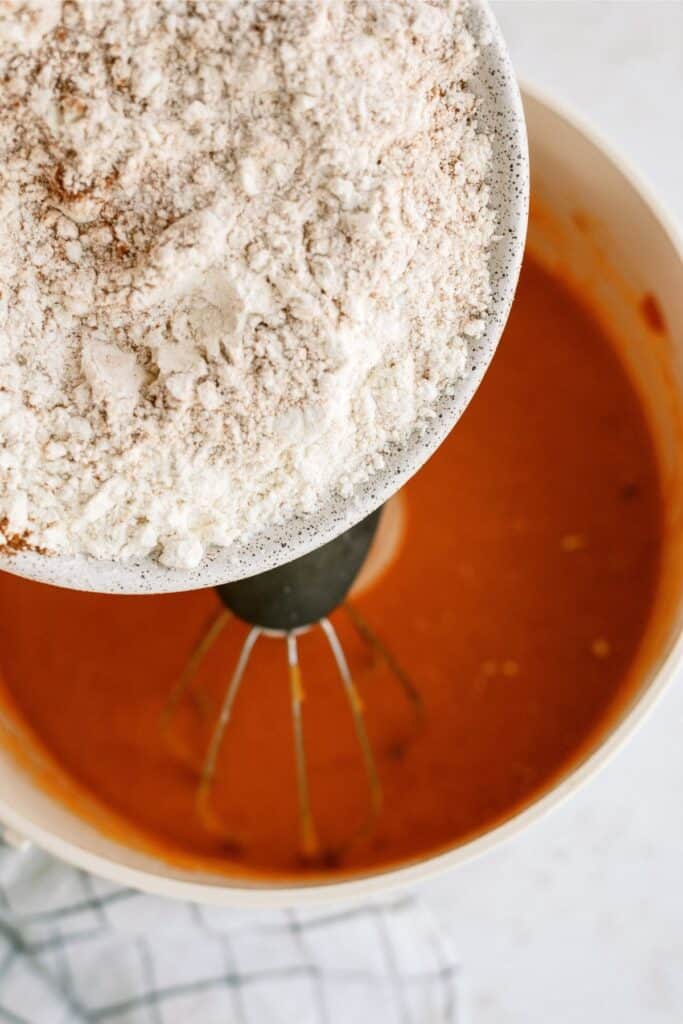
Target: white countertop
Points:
x,y
579,920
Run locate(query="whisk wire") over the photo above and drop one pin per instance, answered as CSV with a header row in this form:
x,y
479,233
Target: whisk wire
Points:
x,y
209,766
184,687
381,651
356,707
309,842
184,683
310,846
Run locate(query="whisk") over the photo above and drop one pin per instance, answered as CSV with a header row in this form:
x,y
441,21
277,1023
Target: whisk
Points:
x,y
282,604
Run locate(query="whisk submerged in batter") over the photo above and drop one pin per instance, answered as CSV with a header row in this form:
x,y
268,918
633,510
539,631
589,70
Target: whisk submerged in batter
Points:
x,y
242,249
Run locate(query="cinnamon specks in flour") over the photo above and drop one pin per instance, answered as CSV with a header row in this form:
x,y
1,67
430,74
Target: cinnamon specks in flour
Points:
x,y
243,246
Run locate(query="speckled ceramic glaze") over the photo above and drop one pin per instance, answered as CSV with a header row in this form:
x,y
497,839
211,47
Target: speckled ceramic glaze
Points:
x,y
502,118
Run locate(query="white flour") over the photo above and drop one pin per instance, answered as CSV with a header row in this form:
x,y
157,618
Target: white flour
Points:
x,y
242,248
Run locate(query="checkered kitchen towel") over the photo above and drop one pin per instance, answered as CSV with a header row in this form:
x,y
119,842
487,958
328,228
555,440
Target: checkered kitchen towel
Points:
x,y
77,949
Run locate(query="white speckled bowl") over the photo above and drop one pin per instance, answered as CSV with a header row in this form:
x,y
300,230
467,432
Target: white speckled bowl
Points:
x,y
501,116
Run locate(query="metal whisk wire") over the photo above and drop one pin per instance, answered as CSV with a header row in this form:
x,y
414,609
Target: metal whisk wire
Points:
x,y
309,842
308,838
209,766
356,706
184,683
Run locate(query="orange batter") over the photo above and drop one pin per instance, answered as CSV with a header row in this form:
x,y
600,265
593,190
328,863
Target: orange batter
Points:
x,y
516,604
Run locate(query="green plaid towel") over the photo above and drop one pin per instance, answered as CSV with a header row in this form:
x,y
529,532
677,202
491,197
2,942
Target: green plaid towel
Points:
x,y
77,949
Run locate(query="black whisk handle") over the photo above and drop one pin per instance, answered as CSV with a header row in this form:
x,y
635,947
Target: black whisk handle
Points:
x,y
306,590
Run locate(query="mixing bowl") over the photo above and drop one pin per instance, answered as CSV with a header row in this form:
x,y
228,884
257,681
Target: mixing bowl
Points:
x,y
591,217
501,118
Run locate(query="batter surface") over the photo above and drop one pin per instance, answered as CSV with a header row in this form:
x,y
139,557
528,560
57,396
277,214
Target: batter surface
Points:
x,y
519,635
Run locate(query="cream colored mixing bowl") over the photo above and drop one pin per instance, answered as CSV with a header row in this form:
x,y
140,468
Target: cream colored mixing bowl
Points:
x,y
592,217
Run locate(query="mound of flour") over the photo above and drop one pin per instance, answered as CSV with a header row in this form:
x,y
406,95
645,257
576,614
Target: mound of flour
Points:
x,y
243,246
